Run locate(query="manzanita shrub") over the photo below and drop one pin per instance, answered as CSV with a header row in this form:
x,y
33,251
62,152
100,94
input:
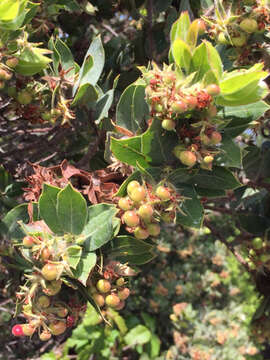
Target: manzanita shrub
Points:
x,y
184,139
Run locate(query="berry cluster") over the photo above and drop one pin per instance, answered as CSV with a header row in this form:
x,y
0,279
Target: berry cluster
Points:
x,y
6,71
49,307
187,109
258,254
143,208
110,293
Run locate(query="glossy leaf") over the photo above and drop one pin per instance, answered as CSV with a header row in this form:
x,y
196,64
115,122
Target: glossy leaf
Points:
x,y
73,255
181,54
47,207
180,27
32,61
85,266
138,335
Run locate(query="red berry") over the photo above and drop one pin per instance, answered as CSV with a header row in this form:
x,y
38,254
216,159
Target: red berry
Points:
x,y
99,299
70,321
58,327
103,286
153,229
191,101
50,271
187,158
132,185
28,241
213,89
168,124
215,138
146,212
131,218
179,106
141,233
112,300
45,335
163,193
249,25
125,204
44,301
17,330
28,330
123,294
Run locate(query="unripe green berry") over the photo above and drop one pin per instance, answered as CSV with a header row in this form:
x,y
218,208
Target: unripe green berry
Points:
x,y
188,158
257,243
146,212
112,300
158,108
239,41
179,107
125,204
163,193
168,124
131,218
153,229
141,233
249,25
62,312
103,286
44,301
24,97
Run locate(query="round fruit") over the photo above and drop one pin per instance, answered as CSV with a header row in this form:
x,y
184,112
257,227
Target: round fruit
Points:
x,y
168,217
123,294
168,124
2,74
213,89
131,218
205,140
24,97
208,159
265,258
141,233
249,25
45,254
45,335
50,271
112,300
138,194
103,286
132,185
177,149
153,229
120,306
28,241
44,301
120,281
12,62
158,108
62,312
191,101
53,288
58,327
257,243
146,212
17,330
163,193
99,299
215,138
187,158
125,204
239,41
179,106
28,330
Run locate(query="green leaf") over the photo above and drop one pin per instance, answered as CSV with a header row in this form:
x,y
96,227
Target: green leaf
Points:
x,y
12,14
180,28
122,191
101,226
192,208
251,111
154,147
206,58
131,250
85,266
86,94
138,336
73,253
181,175
230,154
102,106
153,347
71,210
10,221
254,224
219,178
210,193
182,54
132,109
47,208
62,55
31,61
